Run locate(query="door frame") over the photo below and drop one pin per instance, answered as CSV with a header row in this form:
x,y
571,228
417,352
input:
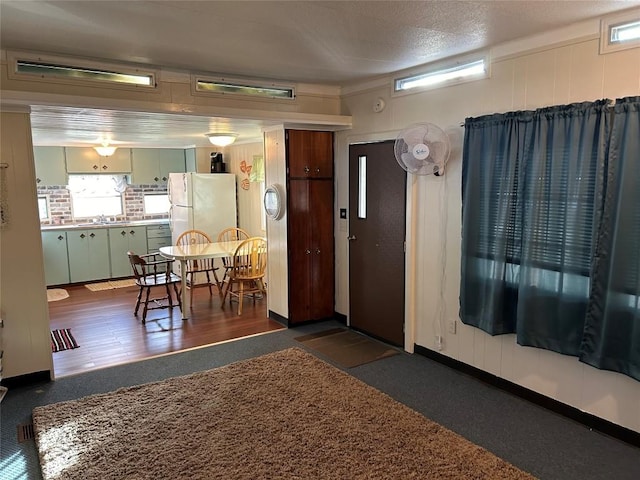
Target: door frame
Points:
x,y
410,299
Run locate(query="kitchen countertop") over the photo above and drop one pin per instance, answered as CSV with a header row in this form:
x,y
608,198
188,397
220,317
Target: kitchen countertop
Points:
x,y
125,223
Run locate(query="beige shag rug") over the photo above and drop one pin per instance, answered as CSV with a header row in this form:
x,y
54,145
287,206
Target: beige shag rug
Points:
x,y
110,285
285,415
55,294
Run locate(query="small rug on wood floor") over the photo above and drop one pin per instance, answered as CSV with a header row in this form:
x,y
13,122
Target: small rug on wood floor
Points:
x,y
62,340
285,415
55,294
346,347
110,285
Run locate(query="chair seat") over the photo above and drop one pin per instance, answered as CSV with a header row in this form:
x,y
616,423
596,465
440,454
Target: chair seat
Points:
x,y
248,270
203,266
153,270
159,279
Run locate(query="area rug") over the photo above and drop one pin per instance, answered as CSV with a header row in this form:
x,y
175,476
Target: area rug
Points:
x,y
62,340
55,294
110,285
346,347
285,415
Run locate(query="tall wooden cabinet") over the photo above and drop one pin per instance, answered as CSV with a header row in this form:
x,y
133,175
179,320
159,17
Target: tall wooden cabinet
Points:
x,y
309,157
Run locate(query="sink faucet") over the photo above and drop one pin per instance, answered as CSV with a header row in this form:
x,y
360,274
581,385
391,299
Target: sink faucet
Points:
x,y
102,218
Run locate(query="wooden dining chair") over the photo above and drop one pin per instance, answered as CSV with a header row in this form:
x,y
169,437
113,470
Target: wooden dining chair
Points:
x,y
246,276
153,271
200,266
228,235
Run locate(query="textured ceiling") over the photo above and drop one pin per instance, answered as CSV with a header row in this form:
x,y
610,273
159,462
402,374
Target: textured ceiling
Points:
x,y
327,42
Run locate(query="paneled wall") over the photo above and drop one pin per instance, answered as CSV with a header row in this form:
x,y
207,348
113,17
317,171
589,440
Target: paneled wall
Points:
x,y
23,297
550,74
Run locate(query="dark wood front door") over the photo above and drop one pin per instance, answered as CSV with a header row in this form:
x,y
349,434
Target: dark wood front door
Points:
x,y
376,246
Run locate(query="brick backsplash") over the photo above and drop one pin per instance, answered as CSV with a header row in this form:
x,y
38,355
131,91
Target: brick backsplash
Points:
x,y
60,203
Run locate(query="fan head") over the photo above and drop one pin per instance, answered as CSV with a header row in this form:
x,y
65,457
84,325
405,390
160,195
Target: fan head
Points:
x,y
422,149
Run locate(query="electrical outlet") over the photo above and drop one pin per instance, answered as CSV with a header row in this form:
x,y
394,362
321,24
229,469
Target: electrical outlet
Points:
x,y
453,325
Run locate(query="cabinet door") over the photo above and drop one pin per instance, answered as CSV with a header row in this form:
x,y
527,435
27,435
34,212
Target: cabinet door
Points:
x,y
171,160
299,247
56,260
153,165
311,250
87,160
309,154
121,240
50,166
145,166
322,249
89,257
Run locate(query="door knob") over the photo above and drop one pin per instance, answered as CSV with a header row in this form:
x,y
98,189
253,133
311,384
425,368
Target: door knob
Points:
x,y
351,237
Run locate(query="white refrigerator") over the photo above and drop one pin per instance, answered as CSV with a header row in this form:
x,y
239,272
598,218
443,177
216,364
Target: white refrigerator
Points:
x,y
202,201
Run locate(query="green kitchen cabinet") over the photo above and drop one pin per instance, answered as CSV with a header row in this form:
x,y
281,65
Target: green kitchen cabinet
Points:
x,y
56,259
87,160
88,254
121,240
151,166
50,166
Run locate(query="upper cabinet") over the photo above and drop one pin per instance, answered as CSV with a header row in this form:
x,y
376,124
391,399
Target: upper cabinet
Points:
x,y
152,165
309,154
50,166
87,160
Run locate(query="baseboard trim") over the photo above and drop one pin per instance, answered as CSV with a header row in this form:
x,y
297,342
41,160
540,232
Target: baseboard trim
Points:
x,y
26,379
592,421
285,321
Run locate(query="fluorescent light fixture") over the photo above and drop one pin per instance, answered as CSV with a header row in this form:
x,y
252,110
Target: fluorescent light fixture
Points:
x,y
82,73
221,139
246,88
452,74
105,150
625,32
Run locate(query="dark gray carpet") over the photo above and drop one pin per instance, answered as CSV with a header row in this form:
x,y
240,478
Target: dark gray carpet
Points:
x,y
538,441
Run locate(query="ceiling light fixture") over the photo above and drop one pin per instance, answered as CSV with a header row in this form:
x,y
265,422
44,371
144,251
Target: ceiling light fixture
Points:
x,y
105,150
221,139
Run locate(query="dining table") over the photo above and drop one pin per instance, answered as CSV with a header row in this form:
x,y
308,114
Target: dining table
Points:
x,y
186,253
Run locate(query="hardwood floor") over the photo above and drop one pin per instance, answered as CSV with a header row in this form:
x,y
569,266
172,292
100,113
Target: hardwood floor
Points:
x,y
108,333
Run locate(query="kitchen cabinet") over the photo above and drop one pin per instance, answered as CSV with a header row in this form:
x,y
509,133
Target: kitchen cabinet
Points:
x,y
89,254
310,232
151,166
121,240
50,166
309,154
56,258
87,160
158,236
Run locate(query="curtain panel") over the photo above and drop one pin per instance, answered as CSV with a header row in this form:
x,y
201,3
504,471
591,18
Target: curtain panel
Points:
x,y
547,228
611,338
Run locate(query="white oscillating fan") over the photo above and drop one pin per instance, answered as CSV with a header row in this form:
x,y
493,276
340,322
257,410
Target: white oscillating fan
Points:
x,y
422,149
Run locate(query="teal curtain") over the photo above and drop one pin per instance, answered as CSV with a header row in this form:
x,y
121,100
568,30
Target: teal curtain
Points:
x,y
551,228
491,179
563,162
611,338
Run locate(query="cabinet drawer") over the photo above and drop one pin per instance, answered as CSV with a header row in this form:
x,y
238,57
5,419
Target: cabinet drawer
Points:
x,y
154,243
155,231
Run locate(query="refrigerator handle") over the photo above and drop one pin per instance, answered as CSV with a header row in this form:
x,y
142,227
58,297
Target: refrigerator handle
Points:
x,y
169,192
171,218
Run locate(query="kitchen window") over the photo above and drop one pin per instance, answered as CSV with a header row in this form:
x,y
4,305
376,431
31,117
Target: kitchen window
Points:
x,y
156,204
97,195
43,207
